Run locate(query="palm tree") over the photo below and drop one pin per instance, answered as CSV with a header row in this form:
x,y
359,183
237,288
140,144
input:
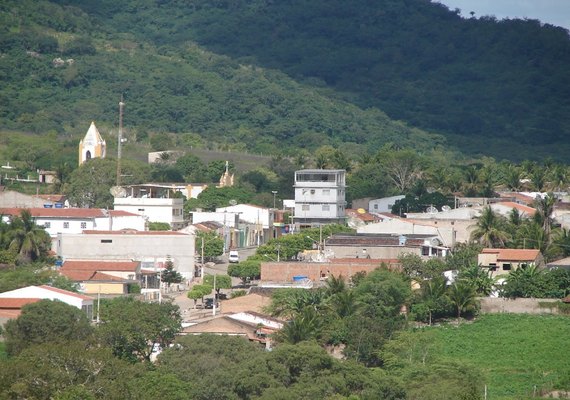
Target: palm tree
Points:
x,y
489,229
480,278
345,303
335,285
512,176
305,326
462,295
561,243
28,239
544,209
433,291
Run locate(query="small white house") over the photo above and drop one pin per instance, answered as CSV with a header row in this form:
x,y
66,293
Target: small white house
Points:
x,y
383,205
76,220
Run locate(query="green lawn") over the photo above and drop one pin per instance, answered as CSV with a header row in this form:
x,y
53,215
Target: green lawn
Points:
x,y
515,352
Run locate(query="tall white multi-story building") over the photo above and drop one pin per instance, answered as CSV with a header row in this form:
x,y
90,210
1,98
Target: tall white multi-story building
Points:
x,y
320,196
157,203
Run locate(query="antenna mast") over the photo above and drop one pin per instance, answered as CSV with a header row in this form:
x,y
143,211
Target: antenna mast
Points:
x,y
120,141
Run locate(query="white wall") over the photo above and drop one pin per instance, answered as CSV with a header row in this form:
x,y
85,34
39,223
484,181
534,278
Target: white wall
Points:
x,y
155,209
37,292
251,214
225,218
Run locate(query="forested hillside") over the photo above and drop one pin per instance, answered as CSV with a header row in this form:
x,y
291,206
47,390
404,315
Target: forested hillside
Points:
x,y
480,81
62,66
486,84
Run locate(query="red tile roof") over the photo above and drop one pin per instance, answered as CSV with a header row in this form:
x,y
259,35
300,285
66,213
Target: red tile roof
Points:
x,y
92,265
84,276
513,254
17,303
57,212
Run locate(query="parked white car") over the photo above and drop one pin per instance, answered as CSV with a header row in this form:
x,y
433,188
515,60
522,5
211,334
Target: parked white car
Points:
x,y
233,256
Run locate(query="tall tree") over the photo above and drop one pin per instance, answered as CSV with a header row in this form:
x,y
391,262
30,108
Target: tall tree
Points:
x,y
27,239
463,296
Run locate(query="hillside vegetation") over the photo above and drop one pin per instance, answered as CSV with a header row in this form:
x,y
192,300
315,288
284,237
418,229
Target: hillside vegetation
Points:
x,y
169,86
480,81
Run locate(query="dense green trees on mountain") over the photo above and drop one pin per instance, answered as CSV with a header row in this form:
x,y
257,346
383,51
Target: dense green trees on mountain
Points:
x,y
482,82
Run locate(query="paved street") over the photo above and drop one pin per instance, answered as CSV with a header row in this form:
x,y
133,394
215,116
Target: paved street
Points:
x,y
220,268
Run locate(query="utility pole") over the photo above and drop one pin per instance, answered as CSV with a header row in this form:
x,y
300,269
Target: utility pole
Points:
x,y
215,297
202,268
120,141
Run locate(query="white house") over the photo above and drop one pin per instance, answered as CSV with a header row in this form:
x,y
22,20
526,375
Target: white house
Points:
x,y
151,248
384,204
76,220
43,292
259,219
155,202
402,226
320,196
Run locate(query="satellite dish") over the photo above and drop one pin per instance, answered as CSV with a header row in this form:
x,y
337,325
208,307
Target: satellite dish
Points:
x,y
431,210
118,191
361,211
233,202
446,208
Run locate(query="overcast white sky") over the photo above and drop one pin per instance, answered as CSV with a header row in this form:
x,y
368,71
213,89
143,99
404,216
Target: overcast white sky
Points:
x,y
555,12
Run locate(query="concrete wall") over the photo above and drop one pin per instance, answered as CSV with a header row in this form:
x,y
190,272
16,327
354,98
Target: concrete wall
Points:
x,y
285,271
495,305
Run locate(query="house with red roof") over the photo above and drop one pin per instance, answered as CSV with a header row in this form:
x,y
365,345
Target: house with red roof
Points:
x,y
106,277
11,302
12,308
503,261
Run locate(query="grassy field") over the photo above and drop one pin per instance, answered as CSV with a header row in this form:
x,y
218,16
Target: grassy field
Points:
x,y
521,356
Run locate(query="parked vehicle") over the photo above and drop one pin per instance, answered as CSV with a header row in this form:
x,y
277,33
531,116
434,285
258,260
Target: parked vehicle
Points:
x,y
209,303
233,257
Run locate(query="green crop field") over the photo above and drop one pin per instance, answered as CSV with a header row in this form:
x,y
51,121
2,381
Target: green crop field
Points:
x,y
521,356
